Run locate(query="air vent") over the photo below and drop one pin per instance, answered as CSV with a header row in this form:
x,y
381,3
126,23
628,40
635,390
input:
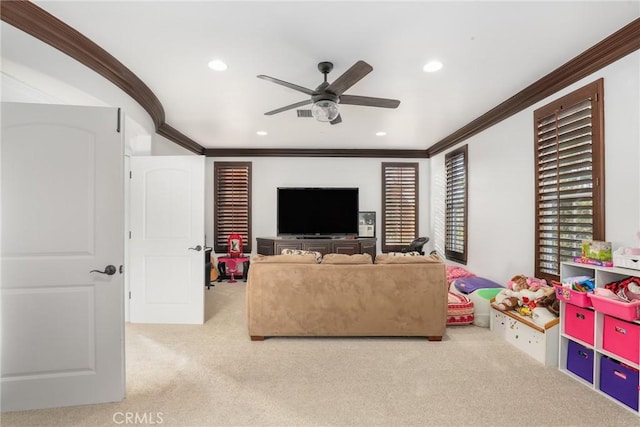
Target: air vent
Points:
x,y
304,113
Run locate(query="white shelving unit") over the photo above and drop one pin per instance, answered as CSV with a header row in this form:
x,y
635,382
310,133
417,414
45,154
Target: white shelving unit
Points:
x,y
579,339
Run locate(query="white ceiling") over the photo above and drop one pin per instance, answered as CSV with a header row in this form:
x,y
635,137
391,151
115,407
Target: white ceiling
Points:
x,y
490,51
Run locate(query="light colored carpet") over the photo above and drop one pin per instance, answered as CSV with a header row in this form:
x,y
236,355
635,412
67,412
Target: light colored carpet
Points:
x,y
213,375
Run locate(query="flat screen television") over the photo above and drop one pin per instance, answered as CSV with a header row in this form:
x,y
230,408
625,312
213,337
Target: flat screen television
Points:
x,y
317,212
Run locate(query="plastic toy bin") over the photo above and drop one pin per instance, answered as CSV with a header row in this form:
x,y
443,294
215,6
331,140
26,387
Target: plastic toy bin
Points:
x,y
612,307
566,294
580,360
619,381
621,338
579,323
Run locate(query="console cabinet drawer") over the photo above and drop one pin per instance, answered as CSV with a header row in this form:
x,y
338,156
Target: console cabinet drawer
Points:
x,y
320,246
274,246
346,247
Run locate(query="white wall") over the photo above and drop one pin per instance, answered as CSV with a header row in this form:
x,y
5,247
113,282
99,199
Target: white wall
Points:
x,y
269,173
501,179
161,146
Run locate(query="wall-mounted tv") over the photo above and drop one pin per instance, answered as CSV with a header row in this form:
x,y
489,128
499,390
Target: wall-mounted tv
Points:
x,y
312,212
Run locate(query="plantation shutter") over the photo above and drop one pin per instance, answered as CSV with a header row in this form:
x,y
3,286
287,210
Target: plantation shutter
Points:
x,y
399,205
232,199
570,178
456,206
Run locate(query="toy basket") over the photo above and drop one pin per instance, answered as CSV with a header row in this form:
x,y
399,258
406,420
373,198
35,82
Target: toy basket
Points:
x,y
566,294
620,309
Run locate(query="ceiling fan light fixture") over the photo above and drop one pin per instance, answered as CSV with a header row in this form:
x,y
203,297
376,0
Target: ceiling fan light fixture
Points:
x,y
325,110
432,66
217,65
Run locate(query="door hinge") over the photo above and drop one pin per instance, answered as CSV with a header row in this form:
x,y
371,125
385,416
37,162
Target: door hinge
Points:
x,y
130,175
129,235
118,122
129,294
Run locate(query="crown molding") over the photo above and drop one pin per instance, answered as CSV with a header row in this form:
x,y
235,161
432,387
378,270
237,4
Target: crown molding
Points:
x,y
302,152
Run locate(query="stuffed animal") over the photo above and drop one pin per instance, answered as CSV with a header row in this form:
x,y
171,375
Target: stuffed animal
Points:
x,y
507,303
550,302
534,283
527,295
518,283
508,299
522,291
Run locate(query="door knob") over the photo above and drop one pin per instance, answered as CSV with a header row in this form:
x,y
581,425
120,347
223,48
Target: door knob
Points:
x,y
197,248
109,270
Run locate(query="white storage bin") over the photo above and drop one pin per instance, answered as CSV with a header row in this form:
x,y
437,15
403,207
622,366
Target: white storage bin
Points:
x,y
627,261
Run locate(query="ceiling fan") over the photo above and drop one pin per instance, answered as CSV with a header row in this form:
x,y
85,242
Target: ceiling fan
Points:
x,y
326,97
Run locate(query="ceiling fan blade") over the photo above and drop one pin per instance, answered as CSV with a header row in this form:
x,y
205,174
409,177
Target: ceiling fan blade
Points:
x,y
336,120
288,107
286,84
369,101
350,77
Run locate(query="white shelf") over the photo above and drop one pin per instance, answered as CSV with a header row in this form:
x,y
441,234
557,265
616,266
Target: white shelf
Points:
x,y
602,276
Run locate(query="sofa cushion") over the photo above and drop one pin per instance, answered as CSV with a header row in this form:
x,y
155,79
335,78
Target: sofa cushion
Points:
x,y
414,253
389,259
318,255
284,259
347,259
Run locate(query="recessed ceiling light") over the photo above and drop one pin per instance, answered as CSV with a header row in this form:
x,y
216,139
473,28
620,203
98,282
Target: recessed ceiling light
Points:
x,y
217,65
432,66
262,132
381,133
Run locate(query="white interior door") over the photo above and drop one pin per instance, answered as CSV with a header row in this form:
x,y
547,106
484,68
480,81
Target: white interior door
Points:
x,y
62,217
167,239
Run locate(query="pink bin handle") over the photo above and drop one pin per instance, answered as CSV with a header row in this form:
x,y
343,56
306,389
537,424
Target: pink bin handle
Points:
x,y
619,374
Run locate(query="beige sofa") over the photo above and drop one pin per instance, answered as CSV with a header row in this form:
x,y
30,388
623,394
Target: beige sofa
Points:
x,y
293,295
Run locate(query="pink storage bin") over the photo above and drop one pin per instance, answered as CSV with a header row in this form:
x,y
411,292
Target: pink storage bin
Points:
x,y
566,294
619,309
579,323
621,338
